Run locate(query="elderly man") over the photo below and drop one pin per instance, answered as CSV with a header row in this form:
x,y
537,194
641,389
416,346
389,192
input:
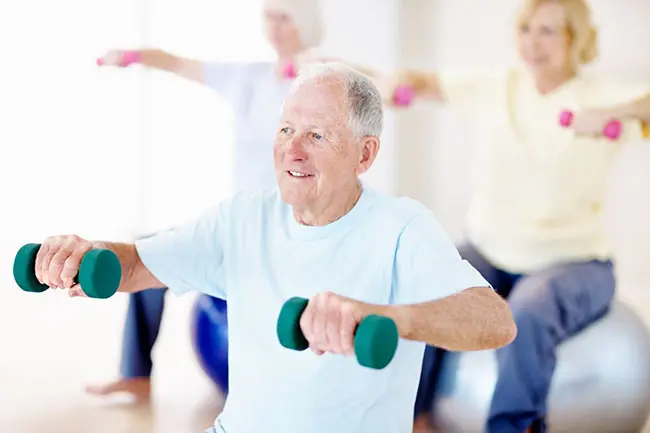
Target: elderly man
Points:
x,y
324,236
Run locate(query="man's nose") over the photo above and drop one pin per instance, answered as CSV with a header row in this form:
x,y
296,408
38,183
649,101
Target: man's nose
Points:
x,y
296,150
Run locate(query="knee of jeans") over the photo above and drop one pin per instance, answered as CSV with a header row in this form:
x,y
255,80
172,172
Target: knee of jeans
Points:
x,y
531,302
527,315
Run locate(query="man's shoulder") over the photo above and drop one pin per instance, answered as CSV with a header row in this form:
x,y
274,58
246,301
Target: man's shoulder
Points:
x,y
399,209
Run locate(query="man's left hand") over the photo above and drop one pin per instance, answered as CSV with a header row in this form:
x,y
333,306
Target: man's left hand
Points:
x,y
591,122
329,322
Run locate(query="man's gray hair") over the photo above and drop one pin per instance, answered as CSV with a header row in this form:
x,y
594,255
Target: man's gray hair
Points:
x,y
366,113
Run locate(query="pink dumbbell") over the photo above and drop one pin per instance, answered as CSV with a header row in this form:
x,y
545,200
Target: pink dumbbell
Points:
x,y
612,130
127,58
403,96
290,71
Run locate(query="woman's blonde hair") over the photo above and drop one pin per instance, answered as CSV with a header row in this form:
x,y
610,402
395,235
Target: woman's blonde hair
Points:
x,y
580,26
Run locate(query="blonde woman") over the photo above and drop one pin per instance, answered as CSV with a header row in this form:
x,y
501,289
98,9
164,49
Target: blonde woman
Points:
x,y
255,92
535,222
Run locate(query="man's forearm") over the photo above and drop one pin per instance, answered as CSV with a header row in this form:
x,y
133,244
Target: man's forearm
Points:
x,y
135,275
474,319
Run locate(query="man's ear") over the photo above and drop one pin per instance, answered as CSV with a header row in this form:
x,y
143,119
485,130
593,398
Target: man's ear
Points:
x,y
369,150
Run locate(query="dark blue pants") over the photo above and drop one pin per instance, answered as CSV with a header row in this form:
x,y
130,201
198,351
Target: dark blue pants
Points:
x,y
549,306
143,320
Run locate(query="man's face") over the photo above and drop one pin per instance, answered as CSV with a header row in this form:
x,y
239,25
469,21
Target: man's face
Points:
x,y
316,155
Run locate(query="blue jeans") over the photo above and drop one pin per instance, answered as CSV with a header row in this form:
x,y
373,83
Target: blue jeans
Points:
x,y
143,320
549,306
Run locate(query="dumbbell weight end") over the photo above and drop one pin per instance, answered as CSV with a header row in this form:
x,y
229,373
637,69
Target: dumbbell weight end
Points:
x,y
288,326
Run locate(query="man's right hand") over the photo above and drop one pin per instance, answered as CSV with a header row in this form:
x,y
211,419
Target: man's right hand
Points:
x,y
58,261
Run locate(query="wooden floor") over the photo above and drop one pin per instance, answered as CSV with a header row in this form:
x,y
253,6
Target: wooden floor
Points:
x,y
52,346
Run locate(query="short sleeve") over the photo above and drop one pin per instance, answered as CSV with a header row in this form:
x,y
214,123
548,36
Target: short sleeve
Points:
x,y
428,266
190,257
228,80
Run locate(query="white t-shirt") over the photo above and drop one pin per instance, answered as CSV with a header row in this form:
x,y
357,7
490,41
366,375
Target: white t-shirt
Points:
x,y
251,252
255,94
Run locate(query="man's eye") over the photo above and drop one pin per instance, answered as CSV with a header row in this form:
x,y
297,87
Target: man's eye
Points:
x,y
285,130
317,136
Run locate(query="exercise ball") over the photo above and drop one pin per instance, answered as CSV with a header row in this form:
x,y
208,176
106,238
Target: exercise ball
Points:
x,y
601,382
210,338
626,215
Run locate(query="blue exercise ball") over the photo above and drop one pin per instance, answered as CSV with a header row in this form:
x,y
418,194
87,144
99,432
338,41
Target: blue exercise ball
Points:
x,y
210,338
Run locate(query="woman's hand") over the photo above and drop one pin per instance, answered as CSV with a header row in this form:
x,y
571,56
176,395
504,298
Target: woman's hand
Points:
x,y
591,122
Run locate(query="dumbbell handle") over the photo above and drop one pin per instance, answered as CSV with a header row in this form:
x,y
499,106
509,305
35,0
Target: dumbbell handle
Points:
x,y
612,130
99,273
289,71
375,338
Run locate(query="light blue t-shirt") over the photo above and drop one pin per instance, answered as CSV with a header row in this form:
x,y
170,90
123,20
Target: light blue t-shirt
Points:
x,y
255,94
251,251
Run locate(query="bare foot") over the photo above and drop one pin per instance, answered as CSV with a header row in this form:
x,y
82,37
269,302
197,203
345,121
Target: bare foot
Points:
x,y
139,387
422,424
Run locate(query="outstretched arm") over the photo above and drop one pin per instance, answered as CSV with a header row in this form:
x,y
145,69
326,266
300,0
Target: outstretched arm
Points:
x,y
158,59
186,258
424,84
59,258
189,69
624,101
474,319
437,298
462,91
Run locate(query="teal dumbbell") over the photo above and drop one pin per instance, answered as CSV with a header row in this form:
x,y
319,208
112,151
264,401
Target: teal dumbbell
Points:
x,y
375,339
99,274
